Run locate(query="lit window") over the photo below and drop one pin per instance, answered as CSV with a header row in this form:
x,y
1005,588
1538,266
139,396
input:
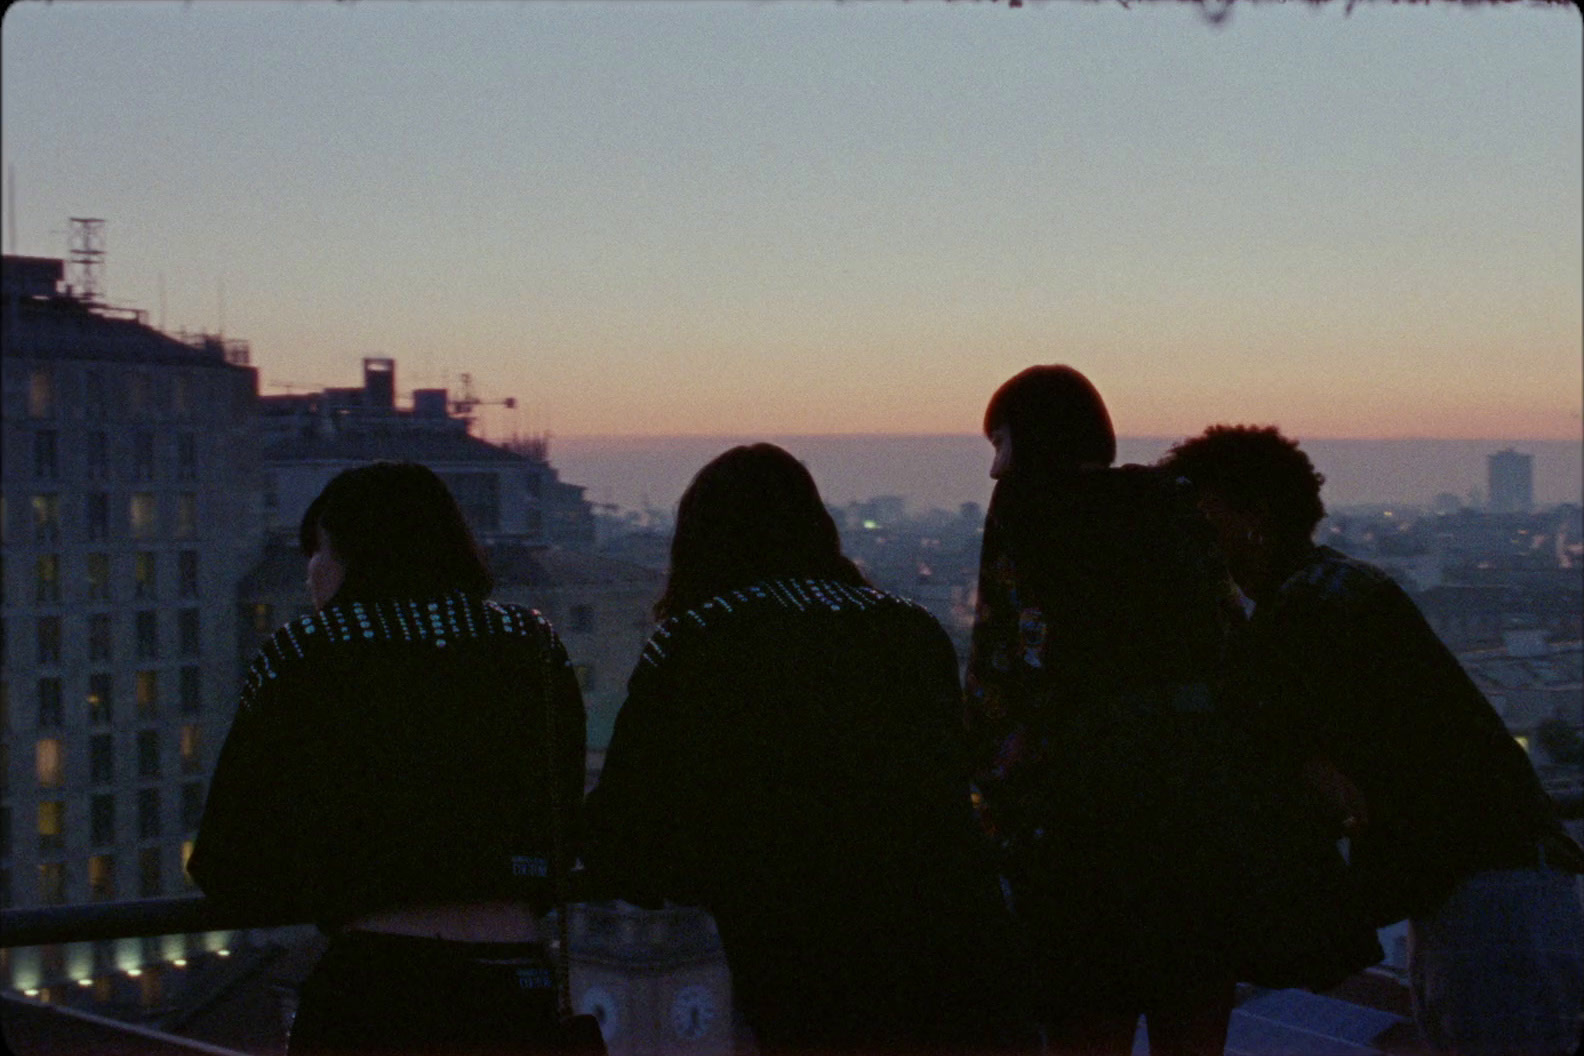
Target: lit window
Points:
x,y
51,825
101,878
144,579
102,819
186,853
46,518
143,512
148,754
98,577
186,515
101,700
47,579
50,763
99,637
263,618
191,747
41,394
147,694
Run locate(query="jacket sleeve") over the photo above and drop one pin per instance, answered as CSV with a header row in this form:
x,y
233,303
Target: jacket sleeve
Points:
x,y
257,843
638,819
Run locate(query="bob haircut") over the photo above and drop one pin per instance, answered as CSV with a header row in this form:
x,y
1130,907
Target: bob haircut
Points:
x,y
399,532
1056,420
1254,469
753,513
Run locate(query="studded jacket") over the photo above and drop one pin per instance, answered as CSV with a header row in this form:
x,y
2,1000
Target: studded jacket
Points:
x,y
790,756
391,752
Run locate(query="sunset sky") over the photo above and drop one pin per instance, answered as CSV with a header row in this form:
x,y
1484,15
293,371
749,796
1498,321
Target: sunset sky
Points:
x,y
807,216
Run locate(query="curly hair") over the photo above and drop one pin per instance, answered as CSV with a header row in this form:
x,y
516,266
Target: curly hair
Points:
x,y
1253,467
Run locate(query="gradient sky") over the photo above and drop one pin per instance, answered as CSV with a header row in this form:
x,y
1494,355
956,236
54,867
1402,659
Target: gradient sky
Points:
x,y
808,216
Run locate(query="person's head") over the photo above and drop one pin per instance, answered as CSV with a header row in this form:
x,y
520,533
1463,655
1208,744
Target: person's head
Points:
x,y
1256,486
389,529
1048,420
752,513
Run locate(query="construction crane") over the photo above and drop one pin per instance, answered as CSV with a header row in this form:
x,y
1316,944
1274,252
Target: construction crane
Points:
x,y
463,405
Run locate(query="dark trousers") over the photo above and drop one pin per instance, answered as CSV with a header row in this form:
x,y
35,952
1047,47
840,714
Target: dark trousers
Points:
x,y
395,994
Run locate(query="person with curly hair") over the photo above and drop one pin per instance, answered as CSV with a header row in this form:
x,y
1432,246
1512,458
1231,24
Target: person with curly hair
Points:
x,y
1449,826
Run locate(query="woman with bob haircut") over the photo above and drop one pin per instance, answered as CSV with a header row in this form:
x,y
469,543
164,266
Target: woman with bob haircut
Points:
x,y
790,757
1103,617
390,775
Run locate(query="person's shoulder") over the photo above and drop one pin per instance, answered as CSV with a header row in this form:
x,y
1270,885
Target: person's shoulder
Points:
x,y
1331,580
769,604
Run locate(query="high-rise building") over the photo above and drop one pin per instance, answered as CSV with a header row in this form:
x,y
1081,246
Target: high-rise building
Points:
x,y
130,512
1511,481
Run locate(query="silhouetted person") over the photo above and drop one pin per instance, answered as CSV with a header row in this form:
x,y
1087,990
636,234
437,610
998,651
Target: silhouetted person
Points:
x,y
1104,613
790,756
1450,826
387,777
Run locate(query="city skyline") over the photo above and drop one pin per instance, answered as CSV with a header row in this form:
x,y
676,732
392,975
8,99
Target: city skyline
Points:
x,y
772,219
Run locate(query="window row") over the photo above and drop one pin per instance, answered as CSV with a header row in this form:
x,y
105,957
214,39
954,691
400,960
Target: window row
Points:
x,y
49,754
137,392
147,636
137,458
54,878
104,828
98,584
100,525
99,700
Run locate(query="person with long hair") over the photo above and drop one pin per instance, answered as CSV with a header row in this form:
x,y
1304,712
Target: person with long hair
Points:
x,y
790,757
1449,826
390,776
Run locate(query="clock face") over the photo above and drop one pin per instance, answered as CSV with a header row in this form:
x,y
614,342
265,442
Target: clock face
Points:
x,y
693,1012
602,1006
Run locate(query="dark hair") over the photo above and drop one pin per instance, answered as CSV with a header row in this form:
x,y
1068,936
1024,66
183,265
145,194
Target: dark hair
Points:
x,y
398,531
752,513
1254,468
1056,419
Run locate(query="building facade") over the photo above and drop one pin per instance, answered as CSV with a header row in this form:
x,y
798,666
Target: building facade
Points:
x,y
130,512
1510,477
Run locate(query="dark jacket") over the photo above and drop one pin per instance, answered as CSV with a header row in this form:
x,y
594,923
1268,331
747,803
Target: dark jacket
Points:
x,y
1350,670
393,752
790,756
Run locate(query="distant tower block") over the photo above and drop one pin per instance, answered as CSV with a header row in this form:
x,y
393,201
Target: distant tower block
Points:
x,y
379,382
86,272
1511,482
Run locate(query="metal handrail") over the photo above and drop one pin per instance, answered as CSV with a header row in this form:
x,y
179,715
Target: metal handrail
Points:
x,y
47,925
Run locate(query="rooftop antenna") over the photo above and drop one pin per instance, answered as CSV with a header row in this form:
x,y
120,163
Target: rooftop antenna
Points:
x,y
86,271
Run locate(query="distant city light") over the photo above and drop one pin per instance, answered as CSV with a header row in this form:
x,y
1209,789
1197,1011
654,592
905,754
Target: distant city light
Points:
x,y
30,992
180,962
870,526
85,982
134,972
222,953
